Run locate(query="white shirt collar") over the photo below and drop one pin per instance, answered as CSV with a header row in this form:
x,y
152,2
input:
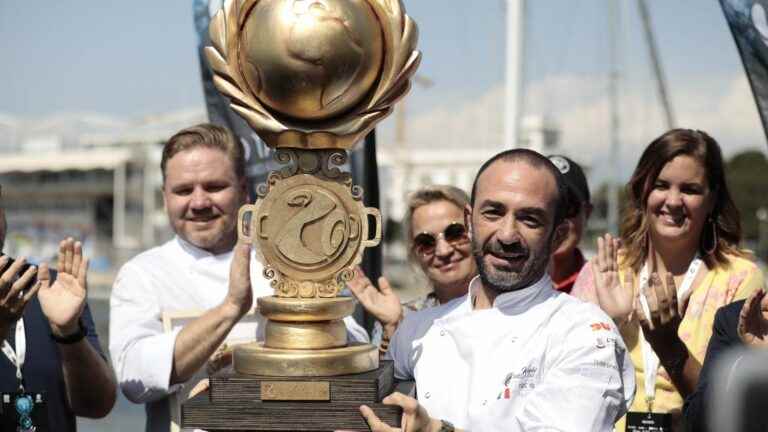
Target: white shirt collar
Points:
x,y
194,251
519,300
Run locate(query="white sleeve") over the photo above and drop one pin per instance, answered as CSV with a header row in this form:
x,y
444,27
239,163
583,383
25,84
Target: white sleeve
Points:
x,y
355,332
590,383
142,354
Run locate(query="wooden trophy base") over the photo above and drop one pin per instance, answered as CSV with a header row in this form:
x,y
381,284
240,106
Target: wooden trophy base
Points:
x,y
260,403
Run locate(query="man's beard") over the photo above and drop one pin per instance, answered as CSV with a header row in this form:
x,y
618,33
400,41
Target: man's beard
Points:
x,y
501,280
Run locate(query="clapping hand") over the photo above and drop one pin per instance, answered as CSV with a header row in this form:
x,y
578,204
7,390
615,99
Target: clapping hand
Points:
x,y
382,303
660,326
753,320
63,302
240,294
662,303
614,297
13,298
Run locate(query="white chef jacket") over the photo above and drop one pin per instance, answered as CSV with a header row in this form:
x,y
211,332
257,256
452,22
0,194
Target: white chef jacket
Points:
x,y
539,360
176,276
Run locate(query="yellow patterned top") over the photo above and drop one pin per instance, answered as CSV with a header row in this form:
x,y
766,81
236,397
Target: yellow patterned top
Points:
x,y
720,286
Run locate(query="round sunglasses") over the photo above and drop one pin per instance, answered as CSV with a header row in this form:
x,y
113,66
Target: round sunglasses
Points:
x,y
455,234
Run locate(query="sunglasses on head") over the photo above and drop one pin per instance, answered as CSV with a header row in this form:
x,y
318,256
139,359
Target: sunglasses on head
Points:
x,y
455,234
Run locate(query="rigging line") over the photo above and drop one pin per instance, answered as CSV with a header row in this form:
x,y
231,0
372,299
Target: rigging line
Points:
x,y
615,26
634,93
532,66
650,40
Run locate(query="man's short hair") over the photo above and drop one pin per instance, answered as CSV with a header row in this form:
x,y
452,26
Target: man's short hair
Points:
x,y
206,135
535,160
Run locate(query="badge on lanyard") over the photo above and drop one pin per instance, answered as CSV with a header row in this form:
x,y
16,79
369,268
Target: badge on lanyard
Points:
x,y
23,412
648,422
650,359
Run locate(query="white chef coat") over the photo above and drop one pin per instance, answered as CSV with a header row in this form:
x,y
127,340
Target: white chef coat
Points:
x,y
176,276
538,360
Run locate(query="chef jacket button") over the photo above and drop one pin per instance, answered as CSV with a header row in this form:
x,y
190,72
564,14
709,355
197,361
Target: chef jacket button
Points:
x,y
485,402
442,332
427,395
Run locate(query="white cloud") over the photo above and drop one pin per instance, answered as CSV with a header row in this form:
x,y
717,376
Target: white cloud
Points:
x,y
720,105
476,124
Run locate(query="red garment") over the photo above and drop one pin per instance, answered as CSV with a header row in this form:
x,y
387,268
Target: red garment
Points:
x,y
565,285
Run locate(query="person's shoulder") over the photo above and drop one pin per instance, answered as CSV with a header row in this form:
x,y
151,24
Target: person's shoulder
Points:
x,y
740,263
727,316
575,305
151,256
423,302
575,316
418,322
737,271
731,308
146,264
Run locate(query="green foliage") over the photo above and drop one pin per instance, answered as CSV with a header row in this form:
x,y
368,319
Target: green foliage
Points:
x,y
747,176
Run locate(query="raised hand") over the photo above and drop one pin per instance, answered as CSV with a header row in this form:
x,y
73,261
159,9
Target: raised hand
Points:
x,y
63,302
240,295
753,320
13,299
382,303
614,297
415,417
660,327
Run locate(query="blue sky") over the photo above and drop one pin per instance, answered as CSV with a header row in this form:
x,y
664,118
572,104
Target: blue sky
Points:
x,y
133,58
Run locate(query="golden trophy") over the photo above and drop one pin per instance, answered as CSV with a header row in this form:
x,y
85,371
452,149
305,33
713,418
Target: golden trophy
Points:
x,y
312,78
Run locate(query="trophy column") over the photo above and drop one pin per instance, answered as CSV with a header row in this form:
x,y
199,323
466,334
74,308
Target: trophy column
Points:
x,y
312,78
311,228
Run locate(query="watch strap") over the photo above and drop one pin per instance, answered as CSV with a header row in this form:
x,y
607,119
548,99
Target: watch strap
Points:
x,y
71,338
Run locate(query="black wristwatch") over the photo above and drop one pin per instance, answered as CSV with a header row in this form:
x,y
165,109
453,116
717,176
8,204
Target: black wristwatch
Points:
x,y
446,426
72,338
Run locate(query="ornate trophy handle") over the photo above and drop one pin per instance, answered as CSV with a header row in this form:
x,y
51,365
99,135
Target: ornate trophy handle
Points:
x,y
371,211
245,230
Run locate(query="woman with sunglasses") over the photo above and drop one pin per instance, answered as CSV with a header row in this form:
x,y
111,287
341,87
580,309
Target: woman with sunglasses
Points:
x,y
438,244
677,262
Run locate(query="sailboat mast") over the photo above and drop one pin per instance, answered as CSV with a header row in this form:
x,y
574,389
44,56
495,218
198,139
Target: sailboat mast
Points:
x,y
653,51
614,24
514,71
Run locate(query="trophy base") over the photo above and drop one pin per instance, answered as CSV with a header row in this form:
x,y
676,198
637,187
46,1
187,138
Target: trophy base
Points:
x,y
301,309
256,359
259,403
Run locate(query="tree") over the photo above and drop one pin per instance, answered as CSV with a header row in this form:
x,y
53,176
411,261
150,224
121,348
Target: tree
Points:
x,y
747,176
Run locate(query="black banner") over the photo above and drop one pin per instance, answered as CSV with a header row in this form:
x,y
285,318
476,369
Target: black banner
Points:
x,y
748,20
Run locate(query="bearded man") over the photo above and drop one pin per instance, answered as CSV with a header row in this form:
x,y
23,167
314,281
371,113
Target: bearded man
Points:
x,y
514,354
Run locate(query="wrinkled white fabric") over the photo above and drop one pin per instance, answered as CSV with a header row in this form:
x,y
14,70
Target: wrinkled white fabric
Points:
x,y
175,276
539,360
